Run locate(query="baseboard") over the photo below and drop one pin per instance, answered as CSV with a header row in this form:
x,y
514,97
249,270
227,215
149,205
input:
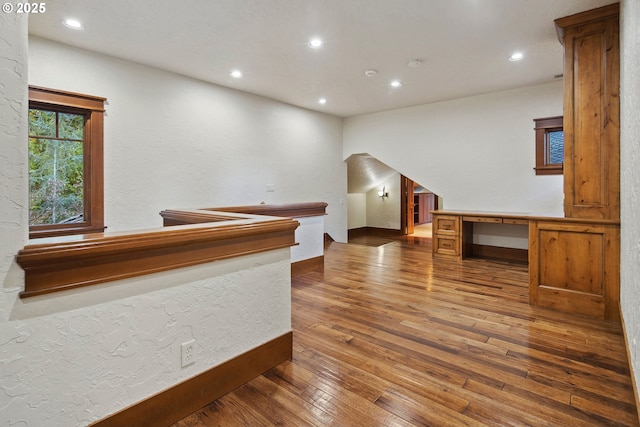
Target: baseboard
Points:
x,y
633,377
305,265
181,400
496,252
373,231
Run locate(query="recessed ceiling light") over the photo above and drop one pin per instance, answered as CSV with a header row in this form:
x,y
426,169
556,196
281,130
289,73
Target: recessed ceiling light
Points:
x,y
322,101
236,74
315,43
370,73
516,56
74,24
395,83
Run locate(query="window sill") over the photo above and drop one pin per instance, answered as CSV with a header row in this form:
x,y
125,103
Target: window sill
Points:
x,y
549,170
35,233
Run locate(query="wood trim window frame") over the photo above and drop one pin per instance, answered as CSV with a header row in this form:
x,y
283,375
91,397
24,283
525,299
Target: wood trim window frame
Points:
x,y
93,109
543,127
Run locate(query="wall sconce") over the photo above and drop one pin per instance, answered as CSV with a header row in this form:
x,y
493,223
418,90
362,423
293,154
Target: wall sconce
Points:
x,y
383,193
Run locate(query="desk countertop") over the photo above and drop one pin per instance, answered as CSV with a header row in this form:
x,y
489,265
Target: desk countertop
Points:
x,y
525,216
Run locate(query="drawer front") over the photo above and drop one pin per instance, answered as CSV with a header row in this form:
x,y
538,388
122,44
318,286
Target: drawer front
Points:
x,y
492,220
445,245
515,221
446,225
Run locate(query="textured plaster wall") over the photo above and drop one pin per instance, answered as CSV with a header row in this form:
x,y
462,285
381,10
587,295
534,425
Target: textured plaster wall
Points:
x,y
73,357
78,356
357,207
13,156
172,141
630,177
309,239
476,153
385,213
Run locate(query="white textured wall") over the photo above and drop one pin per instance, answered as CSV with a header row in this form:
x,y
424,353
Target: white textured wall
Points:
x,y
630,177
357,209
309,238
476,153
173,142
385,213
14,201
72,357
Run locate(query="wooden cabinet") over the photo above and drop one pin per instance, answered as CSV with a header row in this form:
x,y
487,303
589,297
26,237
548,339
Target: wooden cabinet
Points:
x,y
591,113
423,204
453,233
447,235
574,266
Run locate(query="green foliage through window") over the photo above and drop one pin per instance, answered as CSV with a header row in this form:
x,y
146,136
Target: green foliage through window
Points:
x,y
56,167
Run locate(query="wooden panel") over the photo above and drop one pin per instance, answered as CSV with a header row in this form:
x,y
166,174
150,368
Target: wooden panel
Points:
x,y
69,99
305,265
582,269
494,220
447,245
446,224
500,253
575,268
182,399
290,210
515,221
62,263
592,114
588,155
446,235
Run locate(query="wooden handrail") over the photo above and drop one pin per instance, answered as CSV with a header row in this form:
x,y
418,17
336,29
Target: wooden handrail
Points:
x,y
291,210
60,263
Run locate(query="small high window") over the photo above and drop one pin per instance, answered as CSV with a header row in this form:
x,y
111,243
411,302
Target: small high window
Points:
x,y
549,146
65,163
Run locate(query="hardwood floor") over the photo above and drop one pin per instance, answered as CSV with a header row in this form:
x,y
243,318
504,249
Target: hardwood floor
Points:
x,y
387,337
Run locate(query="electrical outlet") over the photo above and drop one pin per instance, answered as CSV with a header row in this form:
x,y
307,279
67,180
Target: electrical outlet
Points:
x,y
271,188
188,353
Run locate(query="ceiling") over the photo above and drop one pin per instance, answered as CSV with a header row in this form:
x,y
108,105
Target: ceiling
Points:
x,y
365,172
462,45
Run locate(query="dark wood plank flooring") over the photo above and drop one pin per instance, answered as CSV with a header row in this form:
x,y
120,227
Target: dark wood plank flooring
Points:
x,y
388,337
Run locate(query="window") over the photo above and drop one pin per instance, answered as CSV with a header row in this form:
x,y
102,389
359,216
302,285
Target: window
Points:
x,y
549,146
65,163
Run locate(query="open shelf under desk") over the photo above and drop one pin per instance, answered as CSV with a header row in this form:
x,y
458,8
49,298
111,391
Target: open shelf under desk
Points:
x,y
469,249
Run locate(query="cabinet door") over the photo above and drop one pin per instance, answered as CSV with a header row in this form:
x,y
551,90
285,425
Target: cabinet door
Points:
x,y
592,114
575,268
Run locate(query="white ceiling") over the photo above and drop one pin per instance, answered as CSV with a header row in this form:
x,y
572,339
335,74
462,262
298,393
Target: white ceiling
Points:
x,y
463,45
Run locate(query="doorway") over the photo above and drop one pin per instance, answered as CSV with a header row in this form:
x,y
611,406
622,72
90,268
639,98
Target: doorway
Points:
x,y
416,207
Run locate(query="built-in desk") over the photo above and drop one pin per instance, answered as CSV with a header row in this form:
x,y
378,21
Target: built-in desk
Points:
x,y
453,234
574,263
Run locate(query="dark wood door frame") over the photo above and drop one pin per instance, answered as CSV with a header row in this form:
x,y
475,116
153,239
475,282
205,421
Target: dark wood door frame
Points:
x,y
406,207
407,222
